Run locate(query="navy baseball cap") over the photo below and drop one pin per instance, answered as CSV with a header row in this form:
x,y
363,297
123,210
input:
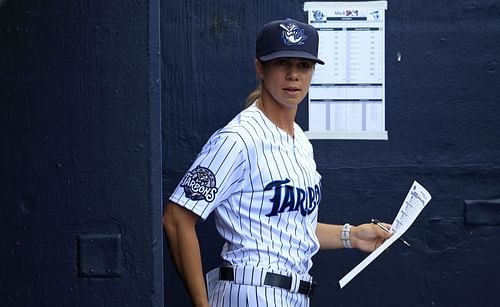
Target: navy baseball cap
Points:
x,y
287,39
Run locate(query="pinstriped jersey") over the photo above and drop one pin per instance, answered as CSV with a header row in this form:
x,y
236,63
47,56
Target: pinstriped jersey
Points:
x,y
264,190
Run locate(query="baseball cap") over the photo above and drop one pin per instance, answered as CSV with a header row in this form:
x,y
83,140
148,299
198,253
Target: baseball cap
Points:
x,y
287,39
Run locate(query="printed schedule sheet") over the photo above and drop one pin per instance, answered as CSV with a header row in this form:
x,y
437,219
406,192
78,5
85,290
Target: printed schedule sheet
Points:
x,y
416,200
346,97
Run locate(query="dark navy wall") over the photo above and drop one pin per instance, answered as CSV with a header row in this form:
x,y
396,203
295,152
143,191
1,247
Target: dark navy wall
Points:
x,y
80,193
442,108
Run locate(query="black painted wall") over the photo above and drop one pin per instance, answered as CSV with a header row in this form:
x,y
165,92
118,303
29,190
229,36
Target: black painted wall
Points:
x,y
442,108
80,193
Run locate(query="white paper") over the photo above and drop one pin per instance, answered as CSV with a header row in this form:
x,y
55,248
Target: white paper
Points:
x,y
416,200
347,94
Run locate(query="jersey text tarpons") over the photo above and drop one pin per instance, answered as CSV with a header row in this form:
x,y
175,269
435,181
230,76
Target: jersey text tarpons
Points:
x,y
290,198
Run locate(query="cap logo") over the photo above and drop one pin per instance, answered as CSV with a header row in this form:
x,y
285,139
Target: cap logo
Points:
x,y
292,34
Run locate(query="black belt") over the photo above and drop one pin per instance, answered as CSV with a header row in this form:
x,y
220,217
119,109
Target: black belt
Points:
x,y
274,280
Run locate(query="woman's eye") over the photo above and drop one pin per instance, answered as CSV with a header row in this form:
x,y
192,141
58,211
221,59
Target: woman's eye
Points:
x,y
305,65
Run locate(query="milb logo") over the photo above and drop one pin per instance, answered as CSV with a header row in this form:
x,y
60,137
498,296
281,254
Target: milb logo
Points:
x,y
293,198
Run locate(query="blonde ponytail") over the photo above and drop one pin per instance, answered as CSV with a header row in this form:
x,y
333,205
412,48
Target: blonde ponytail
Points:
x,y
253,96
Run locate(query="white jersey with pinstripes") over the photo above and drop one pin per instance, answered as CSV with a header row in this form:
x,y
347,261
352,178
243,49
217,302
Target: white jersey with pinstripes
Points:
x,y
264,190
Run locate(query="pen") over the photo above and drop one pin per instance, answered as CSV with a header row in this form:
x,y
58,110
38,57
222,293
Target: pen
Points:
x,y
375,221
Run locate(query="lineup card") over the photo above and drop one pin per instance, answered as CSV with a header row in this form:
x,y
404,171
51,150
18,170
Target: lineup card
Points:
x,y
416,200
347,94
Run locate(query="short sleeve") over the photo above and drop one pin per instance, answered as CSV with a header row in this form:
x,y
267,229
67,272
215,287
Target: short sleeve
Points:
x,y
216,173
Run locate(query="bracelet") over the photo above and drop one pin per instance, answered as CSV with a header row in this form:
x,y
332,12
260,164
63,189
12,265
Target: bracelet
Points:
x,y
345,235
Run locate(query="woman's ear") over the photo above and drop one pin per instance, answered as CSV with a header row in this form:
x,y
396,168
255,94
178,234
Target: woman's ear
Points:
x,y
259,69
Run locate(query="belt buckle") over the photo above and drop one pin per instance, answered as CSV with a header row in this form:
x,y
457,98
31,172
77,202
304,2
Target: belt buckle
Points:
x,y
306,287
312,285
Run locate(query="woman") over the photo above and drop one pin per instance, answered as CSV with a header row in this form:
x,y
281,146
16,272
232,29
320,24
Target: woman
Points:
x,y
257,174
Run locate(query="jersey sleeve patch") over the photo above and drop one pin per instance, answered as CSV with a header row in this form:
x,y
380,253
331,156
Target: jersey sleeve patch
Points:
x,y
199,184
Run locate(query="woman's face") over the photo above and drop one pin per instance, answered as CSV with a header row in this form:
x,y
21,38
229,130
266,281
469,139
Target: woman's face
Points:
x,y
286,81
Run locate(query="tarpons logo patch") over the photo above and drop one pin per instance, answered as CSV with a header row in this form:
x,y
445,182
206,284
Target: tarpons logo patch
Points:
x,y
199,184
